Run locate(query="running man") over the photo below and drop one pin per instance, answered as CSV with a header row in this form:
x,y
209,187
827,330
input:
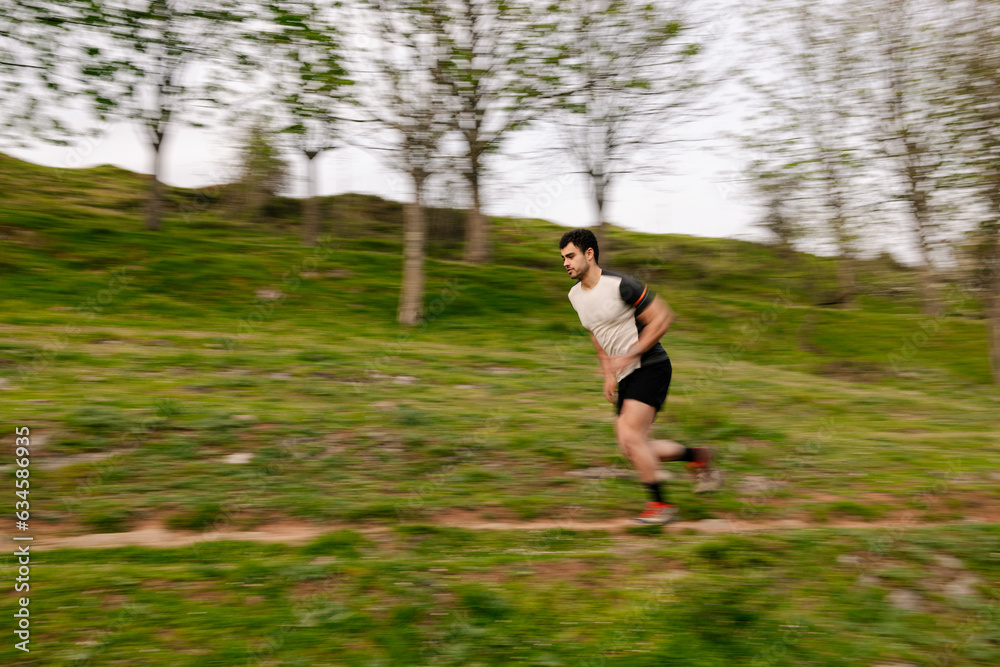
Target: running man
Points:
x,y
626,320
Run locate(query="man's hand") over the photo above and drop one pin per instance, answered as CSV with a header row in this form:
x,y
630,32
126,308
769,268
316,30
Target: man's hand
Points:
x,y
620,362
610,384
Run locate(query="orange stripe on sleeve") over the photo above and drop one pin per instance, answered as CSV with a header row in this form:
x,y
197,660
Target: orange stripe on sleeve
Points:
x,y
641,296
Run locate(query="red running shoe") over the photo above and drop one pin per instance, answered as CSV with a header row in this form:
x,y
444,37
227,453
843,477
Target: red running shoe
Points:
x,y
656,514
706,476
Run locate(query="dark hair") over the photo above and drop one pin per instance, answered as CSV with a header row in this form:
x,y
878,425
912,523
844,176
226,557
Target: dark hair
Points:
x,y
582,239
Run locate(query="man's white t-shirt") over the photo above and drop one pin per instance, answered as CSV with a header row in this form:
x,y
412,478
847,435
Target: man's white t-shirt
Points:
x,y
610,311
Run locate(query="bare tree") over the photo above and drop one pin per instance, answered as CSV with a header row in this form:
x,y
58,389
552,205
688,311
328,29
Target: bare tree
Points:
x,y
408,105
809,125
626,82
488,75
901,98
973,77
136,61
776,189
310,85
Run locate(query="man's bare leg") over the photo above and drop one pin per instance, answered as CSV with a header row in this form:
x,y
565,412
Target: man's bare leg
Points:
x,y
664,450
667,450
632,430
707,477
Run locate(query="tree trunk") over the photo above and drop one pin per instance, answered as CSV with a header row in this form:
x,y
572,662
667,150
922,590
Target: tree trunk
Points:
x,y
310,212
993,329
991,303
154,205
929,292
846,278
838,225
411,294
477,244
601,232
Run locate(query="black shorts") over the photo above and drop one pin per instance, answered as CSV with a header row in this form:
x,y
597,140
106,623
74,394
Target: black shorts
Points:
x,y
647,384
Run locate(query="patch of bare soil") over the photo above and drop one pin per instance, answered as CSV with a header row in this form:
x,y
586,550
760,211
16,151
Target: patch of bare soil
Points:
x,y
294,532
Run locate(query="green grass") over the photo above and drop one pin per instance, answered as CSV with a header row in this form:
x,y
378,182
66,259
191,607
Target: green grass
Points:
x,y
156,349
424,595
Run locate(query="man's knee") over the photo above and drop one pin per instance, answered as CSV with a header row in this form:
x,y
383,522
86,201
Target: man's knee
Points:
x,y
629,438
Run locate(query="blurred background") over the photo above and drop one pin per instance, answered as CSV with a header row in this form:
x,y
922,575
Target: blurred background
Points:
x,y
285,316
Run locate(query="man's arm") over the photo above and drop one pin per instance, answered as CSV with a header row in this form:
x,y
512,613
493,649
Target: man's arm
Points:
x,y
656,319
610,381
602,356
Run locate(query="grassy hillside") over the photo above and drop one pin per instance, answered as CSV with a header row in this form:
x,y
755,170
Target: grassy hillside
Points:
x,y
144,363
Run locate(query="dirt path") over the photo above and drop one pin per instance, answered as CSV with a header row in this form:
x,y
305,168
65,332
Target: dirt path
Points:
x,y
300,533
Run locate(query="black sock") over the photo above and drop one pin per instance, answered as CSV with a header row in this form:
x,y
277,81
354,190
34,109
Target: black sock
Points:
x,y
689,454
656,492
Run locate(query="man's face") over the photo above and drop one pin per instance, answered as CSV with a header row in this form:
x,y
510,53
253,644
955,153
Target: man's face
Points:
x,y
575,261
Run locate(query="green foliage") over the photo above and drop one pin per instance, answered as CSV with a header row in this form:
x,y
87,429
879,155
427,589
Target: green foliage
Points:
x,y
477,601
106,518
262,172
735,552
168,408
485,605
99,419
200,516
342,543
726,612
